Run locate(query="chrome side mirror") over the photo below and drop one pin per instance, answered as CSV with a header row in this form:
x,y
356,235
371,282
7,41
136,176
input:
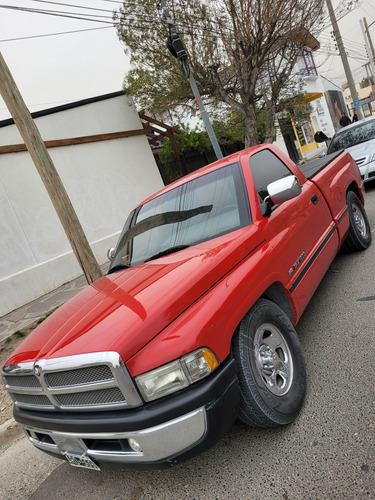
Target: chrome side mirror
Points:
x,y
284,189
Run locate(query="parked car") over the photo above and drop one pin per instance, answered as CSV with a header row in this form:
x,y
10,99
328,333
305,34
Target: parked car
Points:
x,y
194,323
359,140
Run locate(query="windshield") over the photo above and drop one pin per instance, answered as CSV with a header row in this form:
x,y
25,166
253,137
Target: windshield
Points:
x,y
351,136
199,210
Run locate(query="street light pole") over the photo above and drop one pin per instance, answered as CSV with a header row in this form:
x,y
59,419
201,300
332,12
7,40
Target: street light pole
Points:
x,y
205,117
177,49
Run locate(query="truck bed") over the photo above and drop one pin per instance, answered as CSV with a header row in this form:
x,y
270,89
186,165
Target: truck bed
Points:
x,y
312,167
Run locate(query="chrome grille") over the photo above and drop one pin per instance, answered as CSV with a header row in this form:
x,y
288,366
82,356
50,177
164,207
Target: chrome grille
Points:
x,y
33,400
22,381
360,161
78,383
81,376
92,398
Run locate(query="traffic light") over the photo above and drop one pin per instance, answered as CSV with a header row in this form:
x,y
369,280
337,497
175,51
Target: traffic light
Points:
x,y
175,45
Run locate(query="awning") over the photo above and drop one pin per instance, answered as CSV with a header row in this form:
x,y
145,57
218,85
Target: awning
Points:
x,y
301,99
308,97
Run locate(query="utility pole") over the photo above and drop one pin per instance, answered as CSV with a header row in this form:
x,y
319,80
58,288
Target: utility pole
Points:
x,y
177,49
369,45
344,59
48,173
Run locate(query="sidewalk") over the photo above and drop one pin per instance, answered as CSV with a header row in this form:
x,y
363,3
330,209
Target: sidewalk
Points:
x,y
29,313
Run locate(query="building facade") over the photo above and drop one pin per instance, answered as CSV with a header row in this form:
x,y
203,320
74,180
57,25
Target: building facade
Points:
x,y
327,103
366,97
101,153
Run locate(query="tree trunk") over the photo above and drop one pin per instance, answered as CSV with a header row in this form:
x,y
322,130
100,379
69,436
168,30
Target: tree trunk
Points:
x,y
270,123
251,129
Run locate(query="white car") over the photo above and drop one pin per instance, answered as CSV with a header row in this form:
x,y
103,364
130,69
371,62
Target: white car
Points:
x,y
358,139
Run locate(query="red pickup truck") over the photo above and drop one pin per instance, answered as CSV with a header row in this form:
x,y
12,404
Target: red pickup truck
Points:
x,y
193,326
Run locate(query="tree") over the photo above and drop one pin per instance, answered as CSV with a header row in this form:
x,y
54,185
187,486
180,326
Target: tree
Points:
x,y
188,140
230,127
367,81
240,51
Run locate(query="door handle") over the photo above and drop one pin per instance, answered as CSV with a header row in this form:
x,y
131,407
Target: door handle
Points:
x,y
315,199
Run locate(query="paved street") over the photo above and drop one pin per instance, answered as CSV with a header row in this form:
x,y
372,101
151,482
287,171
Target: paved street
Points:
x,y
327,453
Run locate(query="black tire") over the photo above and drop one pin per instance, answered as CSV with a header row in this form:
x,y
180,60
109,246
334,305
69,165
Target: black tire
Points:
x,y
270,367
359,236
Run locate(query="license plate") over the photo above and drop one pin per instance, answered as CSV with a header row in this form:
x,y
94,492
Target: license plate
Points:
x,y
81,461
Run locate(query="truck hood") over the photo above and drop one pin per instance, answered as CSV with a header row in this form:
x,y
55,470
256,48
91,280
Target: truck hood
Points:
x,y
124,311
362,151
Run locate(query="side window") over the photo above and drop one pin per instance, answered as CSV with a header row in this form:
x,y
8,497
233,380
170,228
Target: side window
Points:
x,y
266,168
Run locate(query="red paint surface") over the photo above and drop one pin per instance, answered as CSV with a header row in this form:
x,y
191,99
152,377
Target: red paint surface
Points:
x,y
158,311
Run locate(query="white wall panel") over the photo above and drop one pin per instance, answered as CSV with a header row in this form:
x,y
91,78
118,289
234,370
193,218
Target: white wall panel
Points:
x,y
104,181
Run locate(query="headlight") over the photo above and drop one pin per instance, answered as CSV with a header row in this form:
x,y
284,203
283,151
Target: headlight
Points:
x,y
176,375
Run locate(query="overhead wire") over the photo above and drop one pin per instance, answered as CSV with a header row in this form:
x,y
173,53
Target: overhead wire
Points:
x,y
91,17
103,19
71,15
57,13
351,46
72,5
184,27
64,14
53,34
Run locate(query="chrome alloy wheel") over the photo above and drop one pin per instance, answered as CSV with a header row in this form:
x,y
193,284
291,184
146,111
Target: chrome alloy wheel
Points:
x,y
359,219
273,359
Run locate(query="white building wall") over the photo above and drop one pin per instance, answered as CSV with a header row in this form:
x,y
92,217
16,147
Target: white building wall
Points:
x,y
279,141
104,181
321,115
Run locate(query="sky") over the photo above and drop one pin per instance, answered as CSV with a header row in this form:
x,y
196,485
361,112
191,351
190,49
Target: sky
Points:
x,y
328,59
84,59
54,70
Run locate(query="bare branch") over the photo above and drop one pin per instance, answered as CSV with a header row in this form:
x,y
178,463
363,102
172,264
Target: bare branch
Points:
x,y
242,52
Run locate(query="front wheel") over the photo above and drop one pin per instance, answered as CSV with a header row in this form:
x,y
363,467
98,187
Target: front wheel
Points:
x,y
270,367
359,236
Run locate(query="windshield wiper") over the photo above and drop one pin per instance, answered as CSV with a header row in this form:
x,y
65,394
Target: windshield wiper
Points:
x,y
119,267
174,249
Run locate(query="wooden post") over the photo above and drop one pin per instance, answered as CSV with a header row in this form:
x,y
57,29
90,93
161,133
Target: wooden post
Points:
x,y
48,173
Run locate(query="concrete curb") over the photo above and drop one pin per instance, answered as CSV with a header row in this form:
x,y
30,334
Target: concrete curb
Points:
x,y
10,432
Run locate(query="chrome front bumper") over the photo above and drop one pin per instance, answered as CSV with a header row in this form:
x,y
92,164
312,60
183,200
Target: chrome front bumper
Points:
x,y
154,435
368,171
154,444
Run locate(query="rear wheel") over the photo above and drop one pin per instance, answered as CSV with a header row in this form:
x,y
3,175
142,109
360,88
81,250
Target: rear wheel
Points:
x,y
359,236
270,367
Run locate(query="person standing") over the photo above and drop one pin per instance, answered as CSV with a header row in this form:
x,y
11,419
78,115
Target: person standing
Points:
x,y
344,120
355,117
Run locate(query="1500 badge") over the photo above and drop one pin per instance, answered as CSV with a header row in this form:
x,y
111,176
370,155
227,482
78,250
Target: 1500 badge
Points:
x,y
297,263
